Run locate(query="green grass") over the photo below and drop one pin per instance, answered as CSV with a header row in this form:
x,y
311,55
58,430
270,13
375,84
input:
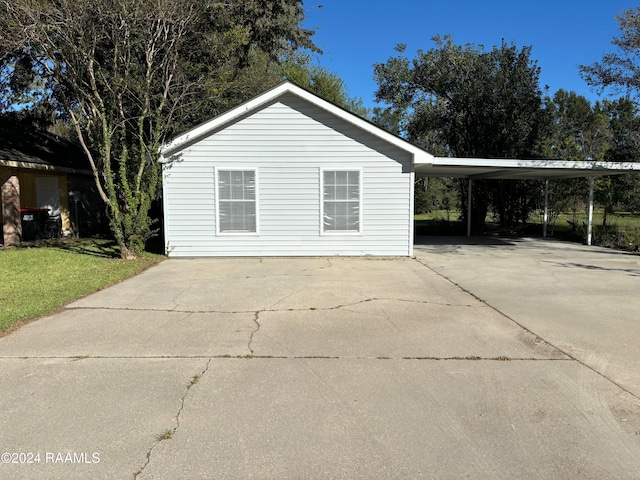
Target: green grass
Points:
x,y
439,222
620,220
622,231
40,279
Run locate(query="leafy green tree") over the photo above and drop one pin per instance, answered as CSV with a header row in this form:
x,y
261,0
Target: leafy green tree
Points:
x,y
299,68
578,132
131,73
619,71
624,146
435,194
624,123
465,101
604,131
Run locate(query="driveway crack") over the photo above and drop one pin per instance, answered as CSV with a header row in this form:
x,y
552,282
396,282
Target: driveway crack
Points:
x,y
168,434
271,309
256,320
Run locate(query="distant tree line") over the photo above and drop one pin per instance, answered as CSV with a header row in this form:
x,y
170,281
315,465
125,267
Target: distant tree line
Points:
x,y
123,76
467,101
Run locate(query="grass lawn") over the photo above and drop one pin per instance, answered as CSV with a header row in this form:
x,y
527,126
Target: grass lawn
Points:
x,y
40,279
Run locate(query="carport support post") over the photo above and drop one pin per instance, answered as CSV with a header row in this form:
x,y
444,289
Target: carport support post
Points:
x,y
590,225
469,208
546,209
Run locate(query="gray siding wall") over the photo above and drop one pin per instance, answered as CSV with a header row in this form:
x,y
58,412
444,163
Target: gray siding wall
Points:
x,y
288,143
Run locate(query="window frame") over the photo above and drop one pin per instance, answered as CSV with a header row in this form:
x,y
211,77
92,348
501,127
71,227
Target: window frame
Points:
x,y
324,232
221,232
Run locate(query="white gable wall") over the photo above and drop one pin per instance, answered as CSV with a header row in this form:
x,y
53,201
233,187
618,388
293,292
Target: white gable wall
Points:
x,y
288,143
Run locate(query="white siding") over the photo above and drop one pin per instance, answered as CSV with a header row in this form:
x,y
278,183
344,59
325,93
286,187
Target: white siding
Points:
x,y
289,142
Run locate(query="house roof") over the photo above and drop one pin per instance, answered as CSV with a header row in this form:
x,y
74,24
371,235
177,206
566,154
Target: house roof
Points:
x,y
425,164
483,168
23,145
177,144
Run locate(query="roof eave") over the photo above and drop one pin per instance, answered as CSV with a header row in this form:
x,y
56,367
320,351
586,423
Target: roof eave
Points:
x,y
517,169
44,167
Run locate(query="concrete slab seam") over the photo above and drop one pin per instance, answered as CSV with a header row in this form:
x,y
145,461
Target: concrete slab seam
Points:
x,y
275,310
170,432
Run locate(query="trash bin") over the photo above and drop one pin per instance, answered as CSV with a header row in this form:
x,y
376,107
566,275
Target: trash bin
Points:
x,y
34,223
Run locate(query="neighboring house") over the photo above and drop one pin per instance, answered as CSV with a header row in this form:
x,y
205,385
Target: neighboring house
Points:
x,y
288,173
38,170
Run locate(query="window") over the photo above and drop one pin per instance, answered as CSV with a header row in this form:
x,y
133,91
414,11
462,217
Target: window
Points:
x,y
341,201
237,201
48,195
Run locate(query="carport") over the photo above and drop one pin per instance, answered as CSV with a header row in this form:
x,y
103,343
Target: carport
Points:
x,y
513,169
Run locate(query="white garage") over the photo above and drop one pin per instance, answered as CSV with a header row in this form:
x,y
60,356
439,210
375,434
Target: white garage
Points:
x,y
289,174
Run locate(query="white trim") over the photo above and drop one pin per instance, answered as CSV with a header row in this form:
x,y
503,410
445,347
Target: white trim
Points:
x,y
332,233
216,171
412,213
165,207
492,168
520,163
590,214
178,143
545,220
469,209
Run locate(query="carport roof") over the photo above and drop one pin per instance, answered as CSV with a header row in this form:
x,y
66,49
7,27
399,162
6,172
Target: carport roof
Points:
x,y
482,168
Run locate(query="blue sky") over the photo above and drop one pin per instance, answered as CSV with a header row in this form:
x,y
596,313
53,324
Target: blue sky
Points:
x,y
355,34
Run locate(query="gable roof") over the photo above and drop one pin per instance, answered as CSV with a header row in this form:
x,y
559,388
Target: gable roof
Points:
x,y
419,155
24,145
425,164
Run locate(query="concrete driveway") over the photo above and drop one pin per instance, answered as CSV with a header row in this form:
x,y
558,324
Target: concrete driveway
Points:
x,y
583,300
335,368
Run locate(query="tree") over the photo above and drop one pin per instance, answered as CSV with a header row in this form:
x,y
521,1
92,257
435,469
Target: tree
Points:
x,y
435,194
299,68
131,73
464,101
604,131
624,146
578,131
619,71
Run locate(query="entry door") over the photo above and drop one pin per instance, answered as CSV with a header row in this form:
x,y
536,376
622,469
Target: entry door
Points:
x,y
47,194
